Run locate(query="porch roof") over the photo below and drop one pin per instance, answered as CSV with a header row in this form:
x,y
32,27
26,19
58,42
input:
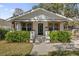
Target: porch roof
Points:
x,y
26,13
35,20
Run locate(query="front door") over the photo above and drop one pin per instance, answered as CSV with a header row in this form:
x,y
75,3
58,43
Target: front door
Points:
x,y
40,28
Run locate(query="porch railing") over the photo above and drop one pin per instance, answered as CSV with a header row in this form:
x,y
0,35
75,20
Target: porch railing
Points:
x,y
47,34
32,36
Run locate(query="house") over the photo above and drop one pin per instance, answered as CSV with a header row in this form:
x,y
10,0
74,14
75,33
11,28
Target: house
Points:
x,y
77,22
4,24
39,22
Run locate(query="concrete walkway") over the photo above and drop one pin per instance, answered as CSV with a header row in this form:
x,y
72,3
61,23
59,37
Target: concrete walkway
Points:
x,y
43,48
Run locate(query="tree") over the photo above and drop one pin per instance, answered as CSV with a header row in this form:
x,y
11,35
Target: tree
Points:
x,y
71,10
17,12
34,7
54,7
66,9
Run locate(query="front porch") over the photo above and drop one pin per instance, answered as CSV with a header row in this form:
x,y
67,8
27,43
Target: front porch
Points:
x,y
38,28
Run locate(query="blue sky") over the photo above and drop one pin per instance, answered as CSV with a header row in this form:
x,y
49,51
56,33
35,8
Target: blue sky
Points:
x,y
6,9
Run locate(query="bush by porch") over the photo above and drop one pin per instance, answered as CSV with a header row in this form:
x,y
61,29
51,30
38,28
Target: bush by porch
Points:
x,y
60,36
18,36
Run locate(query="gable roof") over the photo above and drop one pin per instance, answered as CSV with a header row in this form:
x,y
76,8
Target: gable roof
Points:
x,y
4,22
12,18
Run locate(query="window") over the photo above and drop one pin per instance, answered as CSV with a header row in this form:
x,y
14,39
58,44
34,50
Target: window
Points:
x,y
23,26
54,26
51,26
29,26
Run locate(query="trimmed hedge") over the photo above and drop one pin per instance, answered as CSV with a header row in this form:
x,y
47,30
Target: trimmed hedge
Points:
x,y
2,33
18,36
60,36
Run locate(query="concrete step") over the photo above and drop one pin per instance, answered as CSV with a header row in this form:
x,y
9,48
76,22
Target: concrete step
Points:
x,y
40,39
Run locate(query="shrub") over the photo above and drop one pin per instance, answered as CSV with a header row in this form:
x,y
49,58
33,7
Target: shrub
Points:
x,y
54,36
18,36
60,36
2,33
64,36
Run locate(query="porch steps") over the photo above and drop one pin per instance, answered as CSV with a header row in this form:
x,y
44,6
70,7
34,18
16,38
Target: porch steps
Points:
x,y
41,39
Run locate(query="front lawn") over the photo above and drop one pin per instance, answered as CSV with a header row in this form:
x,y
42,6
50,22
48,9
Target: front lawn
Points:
x,y
15,49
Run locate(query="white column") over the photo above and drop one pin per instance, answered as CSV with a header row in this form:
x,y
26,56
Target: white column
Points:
x,y
26,26
53,27
18,26
61,26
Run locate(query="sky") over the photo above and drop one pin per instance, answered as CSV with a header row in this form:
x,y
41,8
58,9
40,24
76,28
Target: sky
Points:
x,y
7,9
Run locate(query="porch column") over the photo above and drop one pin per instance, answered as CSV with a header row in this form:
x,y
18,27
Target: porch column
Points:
x,y
18,26
61,26
13,25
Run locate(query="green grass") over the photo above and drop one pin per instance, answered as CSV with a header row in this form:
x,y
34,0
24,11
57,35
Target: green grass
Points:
x,y
15,49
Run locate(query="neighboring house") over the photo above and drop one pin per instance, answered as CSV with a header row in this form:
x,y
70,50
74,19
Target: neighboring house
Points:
x,y
39,21
4,24
77,24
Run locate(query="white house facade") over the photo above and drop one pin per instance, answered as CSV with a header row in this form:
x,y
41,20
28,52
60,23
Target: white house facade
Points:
x,y
39,22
